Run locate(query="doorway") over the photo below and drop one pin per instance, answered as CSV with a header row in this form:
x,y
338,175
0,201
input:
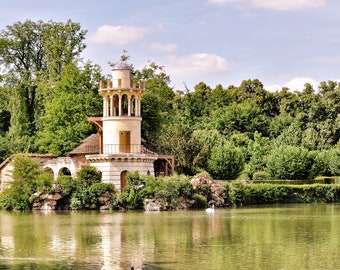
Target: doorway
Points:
x,y
124,141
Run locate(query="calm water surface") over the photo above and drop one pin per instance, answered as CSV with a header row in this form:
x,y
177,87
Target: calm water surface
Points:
x,y
280,237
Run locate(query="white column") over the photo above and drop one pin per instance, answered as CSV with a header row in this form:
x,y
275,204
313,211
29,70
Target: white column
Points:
x,y
138,106
129,106
120,106
104,106
111,105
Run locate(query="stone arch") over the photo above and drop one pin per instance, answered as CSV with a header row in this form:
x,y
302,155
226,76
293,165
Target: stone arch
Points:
x,y
64,171
49,170
123,182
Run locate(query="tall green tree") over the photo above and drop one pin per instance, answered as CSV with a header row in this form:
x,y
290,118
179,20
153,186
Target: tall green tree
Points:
x,y
157,102
64,123
290,162
31,52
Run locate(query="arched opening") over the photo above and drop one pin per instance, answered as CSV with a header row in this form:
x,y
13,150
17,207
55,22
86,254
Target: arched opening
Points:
x,y
123,180
115,105
49,170
64,171
125,104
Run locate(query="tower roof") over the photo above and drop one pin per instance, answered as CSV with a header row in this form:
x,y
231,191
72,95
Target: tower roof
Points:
x,y
122,65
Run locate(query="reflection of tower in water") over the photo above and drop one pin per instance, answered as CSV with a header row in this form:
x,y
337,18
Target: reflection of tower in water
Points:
x,y
123,241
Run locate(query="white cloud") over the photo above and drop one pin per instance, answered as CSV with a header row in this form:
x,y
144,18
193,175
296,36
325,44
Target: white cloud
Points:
x,y
196,65
297,83
163,47
118,35
288,4
282,5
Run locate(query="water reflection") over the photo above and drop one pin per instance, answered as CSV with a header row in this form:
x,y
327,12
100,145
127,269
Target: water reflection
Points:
x,y
285,237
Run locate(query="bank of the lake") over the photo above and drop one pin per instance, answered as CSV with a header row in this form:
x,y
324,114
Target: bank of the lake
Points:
x,y
289,236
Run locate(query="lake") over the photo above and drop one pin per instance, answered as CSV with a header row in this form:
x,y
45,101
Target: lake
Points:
x,y
297,236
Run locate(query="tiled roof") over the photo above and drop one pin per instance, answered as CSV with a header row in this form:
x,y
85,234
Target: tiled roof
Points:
x,y
89,145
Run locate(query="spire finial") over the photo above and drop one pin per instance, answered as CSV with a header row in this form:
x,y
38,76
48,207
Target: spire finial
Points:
x,y
124,56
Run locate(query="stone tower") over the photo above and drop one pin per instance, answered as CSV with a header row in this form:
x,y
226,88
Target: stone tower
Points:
x,y
120,147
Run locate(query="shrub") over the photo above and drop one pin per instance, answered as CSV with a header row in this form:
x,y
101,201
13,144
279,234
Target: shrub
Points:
x,y
269,194
44,182
290,162
334,161
99,188
200,201
261,175
27,179
88,176
131,198
67,184
169,193
226,162
76,204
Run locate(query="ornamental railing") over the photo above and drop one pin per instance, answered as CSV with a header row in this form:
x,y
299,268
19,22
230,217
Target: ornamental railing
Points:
x,y
126,148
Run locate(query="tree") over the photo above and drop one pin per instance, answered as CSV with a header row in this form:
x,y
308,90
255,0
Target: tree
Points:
x,y
197,104
28,178
242,117
157,101
177,140
34,52
226,162
289,162
258,150
64,123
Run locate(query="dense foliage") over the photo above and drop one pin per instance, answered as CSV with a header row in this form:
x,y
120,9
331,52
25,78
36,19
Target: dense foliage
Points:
x,y
283,193
169,191
28,179
46,94
177,192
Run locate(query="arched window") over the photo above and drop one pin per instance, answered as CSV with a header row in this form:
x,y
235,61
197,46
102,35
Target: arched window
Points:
x,y
64,171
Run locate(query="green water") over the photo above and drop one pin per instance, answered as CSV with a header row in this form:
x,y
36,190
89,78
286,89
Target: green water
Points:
x,y
280,237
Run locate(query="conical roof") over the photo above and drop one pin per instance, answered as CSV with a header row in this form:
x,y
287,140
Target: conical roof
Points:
x,y
122,65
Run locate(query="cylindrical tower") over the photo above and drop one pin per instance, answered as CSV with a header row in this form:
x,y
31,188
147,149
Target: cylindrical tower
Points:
x,y
120,142
121,111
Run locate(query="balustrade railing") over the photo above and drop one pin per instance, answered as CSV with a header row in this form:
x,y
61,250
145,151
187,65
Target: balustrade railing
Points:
x,y
126,148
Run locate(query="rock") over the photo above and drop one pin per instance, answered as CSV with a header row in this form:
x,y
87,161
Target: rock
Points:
x,y
211,189
153,205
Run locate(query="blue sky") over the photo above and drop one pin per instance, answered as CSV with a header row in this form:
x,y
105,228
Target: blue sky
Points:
x,y
279,42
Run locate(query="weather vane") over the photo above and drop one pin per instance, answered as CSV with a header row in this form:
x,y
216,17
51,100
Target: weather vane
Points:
x,y
124,56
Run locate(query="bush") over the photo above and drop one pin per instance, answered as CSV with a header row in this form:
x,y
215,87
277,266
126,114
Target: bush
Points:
x,y
261,175
88,176
27,179
100,188
334,161
76,204
290,162
67,184
226,162
200,201
269,194
44,182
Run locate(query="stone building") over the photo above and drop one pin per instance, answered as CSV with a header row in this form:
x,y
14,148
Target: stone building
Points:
x,y
117,148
